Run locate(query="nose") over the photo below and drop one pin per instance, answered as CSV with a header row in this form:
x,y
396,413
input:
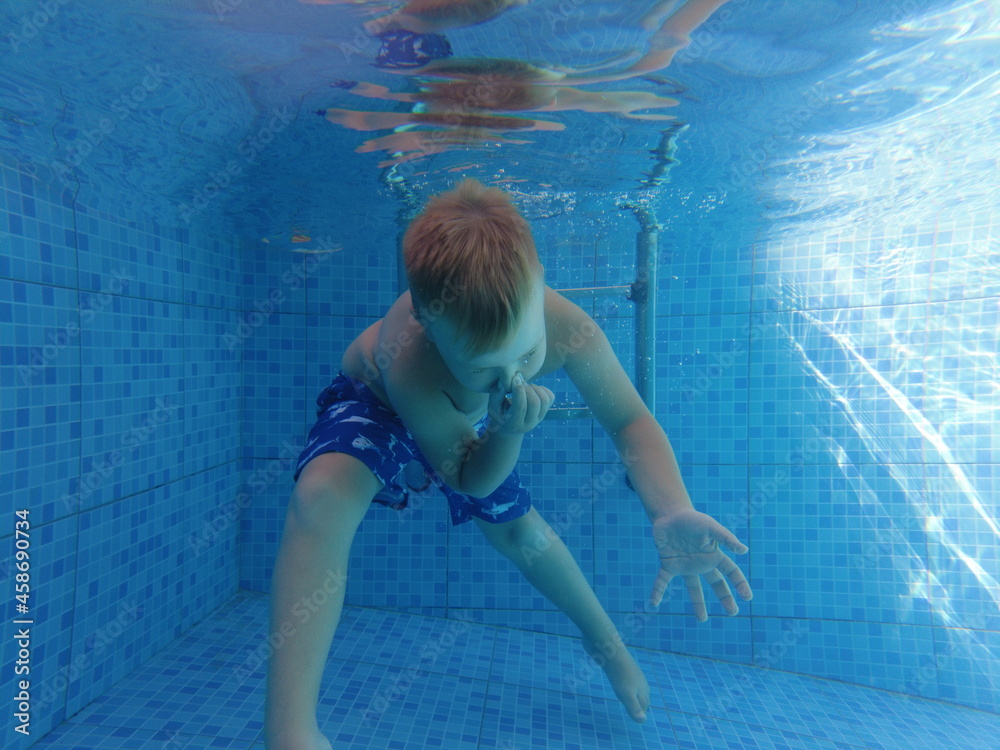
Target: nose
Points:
x,y
507,379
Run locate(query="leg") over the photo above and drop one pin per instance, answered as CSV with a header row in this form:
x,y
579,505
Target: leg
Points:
x,y
331,497
531,544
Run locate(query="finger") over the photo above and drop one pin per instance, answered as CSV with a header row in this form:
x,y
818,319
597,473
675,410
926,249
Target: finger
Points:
x,y
547,398
518,404
531,404
697,597
540,399
497,396
721,589
724,536
663,579
732,571
550,397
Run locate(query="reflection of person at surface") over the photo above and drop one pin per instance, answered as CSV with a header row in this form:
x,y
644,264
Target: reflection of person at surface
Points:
x,y
359,120
408,145
498,94
457,130
470,88
427,16
674,34
674,24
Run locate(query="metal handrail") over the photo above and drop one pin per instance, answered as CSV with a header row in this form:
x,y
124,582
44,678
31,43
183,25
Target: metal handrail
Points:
x,y
643,293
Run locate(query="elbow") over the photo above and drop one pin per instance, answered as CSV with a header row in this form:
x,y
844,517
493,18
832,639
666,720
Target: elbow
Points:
x,y
638,424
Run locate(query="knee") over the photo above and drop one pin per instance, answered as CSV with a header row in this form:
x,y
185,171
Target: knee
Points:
x,y
530,536
323,511
312,498
325,494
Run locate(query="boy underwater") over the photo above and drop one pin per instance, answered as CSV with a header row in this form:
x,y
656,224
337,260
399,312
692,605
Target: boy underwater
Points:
x,y
477,326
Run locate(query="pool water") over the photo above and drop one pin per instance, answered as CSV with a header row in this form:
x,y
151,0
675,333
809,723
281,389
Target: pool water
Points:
x,y
201,206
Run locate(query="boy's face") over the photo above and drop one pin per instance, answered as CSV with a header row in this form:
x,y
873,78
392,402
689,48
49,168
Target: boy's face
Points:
x,y
523,352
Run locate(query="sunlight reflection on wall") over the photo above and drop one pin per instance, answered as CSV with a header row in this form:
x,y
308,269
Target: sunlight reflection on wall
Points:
x,y
886,254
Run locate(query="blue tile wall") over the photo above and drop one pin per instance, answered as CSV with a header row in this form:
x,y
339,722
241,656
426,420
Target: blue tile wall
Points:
x,y
52,603
963,338
705,360
705,264
120,431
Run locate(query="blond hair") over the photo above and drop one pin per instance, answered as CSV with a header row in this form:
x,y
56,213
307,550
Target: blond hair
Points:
x,y
470,257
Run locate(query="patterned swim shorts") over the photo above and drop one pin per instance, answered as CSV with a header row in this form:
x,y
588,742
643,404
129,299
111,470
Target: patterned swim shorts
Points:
x,y
352,420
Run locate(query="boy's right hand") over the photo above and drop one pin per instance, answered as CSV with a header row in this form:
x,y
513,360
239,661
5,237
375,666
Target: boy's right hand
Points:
x,y
524,410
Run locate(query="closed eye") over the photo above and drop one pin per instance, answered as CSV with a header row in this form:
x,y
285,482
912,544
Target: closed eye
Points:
x,y
524,359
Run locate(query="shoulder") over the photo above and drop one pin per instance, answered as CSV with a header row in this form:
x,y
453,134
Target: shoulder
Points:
x,y
568,330
586,355
409,363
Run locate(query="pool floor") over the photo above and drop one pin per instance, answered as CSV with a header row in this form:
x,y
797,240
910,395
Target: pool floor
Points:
x,y
407,681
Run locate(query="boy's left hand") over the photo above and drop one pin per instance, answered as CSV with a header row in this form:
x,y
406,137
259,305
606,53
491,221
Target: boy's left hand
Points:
x,y
688,543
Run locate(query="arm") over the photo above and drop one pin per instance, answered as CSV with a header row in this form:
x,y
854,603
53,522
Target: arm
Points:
x,y
492,457
467,463
652,466
606,388
687,541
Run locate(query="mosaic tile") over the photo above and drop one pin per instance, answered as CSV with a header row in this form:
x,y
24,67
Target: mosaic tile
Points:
x,y
396,679
366,705
518,717
557,664
457,647
705,733
79,736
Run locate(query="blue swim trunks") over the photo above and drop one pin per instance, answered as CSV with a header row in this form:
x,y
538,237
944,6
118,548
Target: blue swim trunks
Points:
x,y
352,420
